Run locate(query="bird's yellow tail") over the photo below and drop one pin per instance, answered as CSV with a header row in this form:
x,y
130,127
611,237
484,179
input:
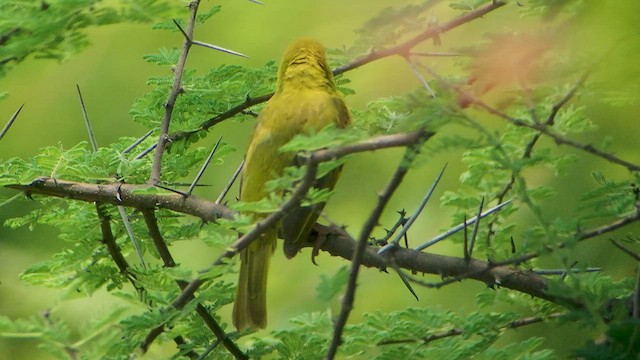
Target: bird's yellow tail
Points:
x,y
250,307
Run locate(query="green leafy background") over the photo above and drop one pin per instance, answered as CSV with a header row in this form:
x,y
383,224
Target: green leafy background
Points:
x,y
113,75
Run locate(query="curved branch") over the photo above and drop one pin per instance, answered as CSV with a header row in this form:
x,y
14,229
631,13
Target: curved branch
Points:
x,y
430,32
400,49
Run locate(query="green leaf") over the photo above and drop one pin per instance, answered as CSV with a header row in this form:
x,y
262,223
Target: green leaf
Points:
x,y
165,57
330,286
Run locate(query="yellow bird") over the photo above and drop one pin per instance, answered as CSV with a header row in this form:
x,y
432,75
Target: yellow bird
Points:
x,y
306,100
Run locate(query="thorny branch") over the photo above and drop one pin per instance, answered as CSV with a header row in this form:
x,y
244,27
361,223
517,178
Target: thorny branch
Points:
x,y
501,275
173,95
401,49
167,259
123,194
559,139
116,255
126,195
141,196
457,332
490,273
543,127
369,225
312,163
528,150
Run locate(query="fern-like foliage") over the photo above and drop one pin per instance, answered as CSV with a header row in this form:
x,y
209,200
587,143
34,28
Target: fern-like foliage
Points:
x,y
509,151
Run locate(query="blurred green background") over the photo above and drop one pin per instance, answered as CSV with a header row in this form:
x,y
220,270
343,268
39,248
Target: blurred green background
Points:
x,y
111,74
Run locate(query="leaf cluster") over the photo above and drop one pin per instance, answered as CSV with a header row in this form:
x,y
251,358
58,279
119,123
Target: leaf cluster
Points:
x,y
57,29
499,163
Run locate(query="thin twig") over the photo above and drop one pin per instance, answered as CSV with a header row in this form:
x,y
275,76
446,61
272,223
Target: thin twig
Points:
x,y
609,227
6,128
230,183
204,166
6,36
559,139
566,98
372,221
209,349
116,255
430,32
625,250
132,236
137,142
528,149
112,247
542,127
389,232
476,226
87,122
417,73
459,227
415,214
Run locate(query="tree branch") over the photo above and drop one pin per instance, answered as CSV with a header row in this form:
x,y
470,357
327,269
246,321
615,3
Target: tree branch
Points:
x,y
430,32
136,196
402,49
559,139
167,259
528,150
369,225
447,266
542,127
140,196
154,178
116,255
312,162
336,244
457,332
